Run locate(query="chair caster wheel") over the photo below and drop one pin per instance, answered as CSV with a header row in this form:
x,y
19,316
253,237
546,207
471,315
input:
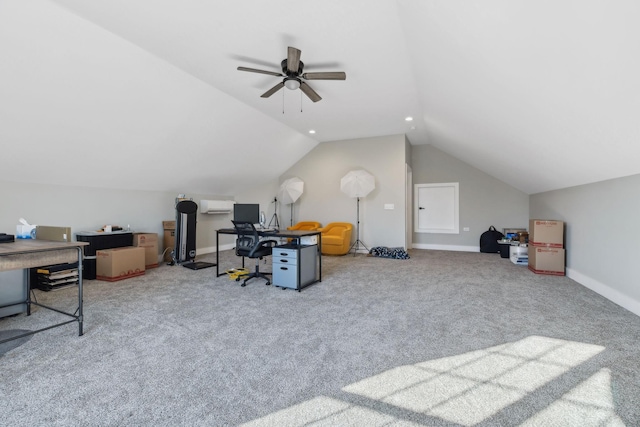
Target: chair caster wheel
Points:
x,y
243,285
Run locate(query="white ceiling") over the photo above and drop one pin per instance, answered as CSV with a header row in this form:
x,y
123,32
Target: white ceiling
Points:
x,y
542,95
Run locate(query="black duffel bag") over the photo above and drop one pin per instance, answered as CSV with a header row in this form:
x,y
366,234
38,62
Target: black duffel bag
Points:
x,y
489,240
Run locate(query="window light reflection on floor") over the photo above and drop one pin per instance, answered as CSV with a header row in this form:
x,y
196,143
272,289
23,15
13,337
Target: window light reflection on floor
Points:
x,y
469,388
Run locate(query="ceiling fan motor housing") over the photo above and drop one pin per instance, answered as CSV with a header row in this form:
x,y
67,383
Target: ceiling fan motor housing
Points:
x,y
288,73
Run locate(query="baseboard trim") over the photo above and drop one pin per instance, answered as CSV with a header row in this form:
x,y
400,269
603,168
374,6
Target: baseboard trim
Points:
x,y
606,291
446,247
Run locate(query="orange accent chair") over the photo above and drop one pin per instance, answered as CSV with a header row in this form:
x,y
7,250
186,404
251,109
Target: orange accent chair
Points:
x,y
336,238
305,225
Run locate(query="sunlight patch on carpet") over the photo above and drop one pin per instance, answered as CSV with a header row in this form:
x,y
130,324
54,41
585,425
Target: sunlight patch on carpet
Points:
x,y
468,389
324,411
471,387
588,404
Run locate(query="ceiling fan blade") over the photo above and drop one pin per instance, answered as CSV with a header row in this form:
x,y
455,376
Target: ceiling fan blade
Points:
x,y
293,59
255,70
312,94
329,75
272,90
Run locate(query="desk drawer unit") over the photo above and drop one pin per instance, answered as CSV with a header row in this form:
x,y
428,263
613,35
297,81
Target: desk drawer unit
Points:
x,y
294,266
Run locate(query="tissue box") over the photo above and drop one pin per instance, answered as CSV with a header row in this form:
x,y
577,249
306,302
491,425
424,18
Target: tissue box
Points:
x,y
26,231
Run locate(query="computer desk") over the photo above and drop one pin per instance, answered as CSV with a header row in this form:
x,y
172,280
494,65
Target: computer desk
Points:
x,y
29,253
290,234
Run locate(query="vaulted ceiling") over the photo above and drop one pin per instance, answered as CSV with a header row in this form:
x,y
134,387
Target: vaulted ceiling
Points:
x,y
146,94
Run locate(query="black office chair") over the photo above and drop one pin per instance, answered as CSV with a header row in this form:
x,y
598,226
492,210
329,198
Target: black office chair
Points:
x,y
248,244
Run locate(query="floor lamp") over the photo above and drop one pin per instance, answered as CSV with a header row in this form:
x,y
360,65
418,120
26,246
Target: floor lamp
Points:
x,y
357,184
290,191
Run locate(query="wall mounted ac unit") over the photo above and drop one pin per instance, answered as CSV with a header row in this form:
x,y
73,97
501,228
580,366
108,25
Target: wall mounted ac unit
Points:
x,y
216,206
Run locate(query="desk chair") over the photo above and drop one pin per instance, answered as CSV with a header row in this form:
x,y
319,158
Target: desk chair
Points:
x,y
248,244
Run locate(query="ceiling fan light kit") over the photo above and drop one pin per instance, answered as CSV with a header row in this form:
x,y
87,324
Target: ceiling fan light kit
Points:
x,y
292,83
293,76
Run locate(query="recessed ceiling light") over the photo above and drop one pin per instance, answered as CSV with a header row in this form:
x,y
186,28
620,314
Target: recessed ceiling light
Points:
x,y
312,131
408,118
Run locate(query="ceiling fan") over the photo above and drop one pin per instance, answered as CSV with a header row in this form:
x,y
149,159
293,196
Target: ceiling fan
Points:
x,y
292,71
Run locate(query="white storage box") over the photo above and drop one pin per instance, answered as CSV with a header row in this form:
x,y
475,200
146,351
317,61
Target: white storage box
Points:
x,y
309,240
519,254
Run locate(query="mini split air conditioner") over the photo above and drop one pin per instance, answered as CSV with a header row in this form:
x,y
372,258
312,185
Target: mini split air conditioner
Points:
x,y
216,206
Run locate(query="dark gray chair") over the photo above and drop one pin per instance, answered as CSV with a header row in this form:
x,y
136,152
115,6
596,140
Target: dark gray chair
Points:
x,y
248,244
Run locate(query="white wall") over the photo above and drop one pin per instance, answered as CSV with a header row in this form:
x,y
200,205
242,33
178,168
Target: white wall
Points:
x,y
322,200
82,106
601,235
86,209
484,200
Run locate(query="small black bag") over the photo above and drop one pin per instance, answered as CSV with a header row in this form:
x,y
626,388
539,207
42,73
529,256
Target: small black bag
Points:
x,y
489,240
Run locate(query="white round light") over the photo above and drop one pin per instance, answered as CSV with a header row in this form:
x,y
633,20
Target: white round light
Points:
x,y
292,84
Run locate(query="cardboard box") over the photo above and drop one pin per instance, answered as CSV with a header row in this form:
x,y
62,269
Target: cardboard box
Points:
x,y
148,241
169,239
545,232
120,263
546,260
57,234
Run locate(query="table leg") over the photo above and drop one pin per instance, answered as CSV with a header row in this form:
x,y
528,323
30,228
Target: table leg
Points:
x,y
80,297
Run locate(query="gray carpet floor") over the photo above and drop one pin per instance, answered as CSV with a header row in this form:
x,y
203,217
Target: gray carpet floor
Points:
x,y
441,339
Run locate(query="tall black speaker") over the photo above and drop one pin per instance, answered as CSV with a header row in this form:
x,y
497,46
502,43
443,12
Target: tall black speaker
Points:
x,y
185,250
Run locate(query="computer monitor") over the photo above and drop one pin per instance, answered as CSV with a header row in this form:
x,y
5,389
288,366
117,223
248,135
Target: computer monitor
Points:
x,y
246,212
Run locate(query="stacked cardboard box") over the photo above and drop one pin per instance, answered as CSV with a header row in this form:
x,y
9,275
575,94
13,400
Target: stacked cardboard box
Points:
x,y
546,247
169,240
148,241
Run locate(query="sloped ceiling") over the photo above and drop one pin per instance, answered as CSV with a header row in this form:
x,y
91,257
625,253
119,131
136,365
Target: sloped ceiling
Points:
x,y
145,94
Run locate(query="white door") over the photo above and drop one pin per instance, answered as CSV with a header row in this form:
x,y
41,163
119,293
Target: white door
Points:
x,y
436,208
